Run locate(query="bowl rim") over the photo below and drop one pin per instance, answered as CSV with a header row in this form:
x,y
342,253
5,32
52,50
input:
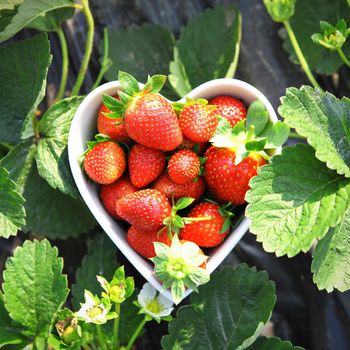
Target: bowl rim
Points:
x,y
108,224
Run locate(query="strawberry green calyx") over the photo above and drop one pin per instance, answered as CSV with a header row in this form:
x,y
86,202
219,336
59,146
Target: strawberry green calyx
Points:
x,y
174,223
179,266
252,137
129,90
178,106
226,212
91,144
119,289
98,139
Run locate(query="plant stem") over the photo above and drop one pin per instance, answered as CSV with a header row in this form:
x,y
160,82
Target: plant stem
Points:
x,y
88,48
300,55
106,62
65,62
294,135
116,328
35,124
343,57
136,334
101,337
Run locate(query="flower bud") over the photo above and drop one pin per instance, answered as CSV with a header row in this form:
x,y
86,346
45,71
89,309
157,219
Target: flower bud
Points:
x,y
332,37
280,10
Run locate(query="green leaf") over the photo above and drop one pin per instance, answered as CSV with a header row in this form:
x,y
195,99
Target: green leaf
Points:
x,y
228,313
324,120
331,265
34,286
208,48
9,335
99,260
52,155
7,12
178,77
273,343
51,213
27,11
294,200
276,134
152,42
18,162
23,70
257,116
305,22
12,213
51,21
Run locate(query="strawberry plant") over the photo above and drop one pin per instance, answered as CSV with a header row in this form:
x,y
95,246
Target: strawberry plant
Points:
x,y
151,173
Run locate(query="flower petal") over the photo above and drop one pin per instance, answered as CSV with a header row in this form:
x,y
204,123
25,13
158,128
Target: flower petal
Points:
x,y
164,301
103,282
148,292
89,299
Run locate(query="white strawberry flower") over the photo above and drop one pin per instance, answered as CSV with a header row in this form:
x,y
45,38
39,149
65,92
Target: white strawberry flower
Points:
x,y
94,310
153,303
179,266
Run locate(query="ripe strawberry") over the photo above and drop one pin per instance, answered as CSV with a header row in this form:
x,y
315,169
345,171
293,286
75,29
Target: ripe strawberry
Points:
x,y
183,166
144,209
105,162
198,121
111,127
145,164
206,233
110,194
142,242
230,108
170,188
226,180
151,121
148,117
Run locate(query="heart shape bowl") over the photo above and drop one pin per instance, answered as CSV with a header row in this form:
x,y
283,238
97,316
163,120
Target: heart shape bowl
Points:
x,y
83,129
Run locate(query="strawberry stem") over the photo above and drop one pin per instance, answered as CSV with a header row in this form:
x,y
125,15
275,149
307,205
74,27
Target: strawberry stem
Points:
x,y
88,48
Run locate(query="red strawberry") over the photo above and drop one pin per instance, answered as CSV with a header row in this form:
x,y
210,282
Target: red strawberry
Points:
x,y
183,166
145,209
205,233
145,164
198,121
110,194
151,121
230,108
105,162
110,126
142,242
227,181
170,188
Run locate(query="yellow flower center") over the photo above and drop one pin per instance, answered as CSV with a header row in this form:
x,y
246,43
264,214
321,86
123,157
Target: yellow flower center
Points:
x,y
177,268
153,306
117,291
94,312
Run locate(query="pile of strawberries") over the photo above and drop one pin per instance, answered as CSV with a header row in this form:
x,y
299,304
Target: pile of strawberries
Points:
x,y
154,161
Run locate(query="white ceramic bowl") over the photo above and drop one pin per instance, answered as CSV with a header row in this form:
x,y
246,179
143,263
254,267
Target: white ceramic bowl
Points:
x,y
83,129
